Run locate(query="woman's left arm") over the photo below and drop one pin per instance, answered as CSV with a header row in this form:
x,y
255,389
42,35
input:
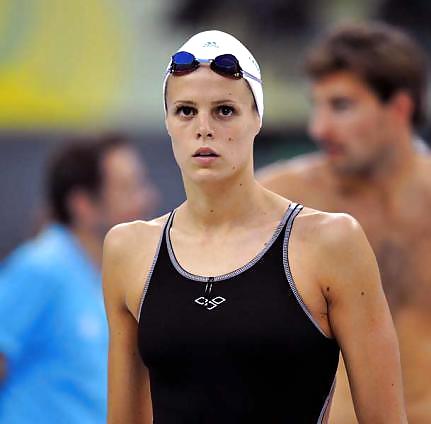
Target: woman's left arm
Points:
x,y
361,322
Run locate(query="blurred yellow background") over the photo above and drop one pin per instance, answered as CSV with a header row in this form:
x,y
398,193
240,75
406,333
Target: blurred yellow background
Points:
x,y
62,63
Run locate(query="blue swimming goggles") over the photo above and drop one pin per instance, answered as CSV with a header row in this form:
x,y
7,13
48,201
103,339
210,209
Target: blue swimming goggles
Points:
x,y
226,65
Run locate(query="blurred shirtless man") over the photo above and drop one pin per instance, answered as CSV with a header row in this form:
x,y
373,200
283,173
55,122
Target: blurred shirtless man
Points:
x,y
368,93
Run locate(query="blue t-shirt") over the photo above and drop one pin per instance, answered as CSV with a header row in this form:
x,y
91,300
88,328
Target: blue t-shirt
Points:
x,y
53,333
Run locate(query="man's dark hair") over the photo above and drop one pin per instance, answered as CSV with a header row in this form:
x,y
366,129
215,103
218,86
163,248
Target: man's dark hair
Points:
x,y
77,166
384,57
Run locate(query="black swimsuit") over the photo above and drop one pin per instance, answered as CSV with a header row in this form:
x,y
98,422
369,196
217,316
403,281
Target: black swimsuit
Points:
x,y
237,348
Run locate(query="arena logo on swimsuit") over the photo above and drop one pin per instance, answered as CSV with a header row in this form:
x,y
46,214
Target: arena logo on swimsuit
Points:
x,y
210,304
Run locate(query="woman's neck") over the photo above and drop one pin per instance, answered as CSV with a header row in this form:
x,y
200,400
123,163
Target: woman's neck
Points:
x,y
213,204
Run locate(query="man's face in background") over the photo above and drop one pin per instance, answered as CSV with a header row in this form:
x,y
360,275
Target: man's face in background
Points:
x,y
127,193
350,123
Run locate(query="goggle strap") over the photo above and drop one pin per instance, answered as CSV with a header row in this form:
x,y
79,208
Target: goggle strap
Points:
x,y
252,77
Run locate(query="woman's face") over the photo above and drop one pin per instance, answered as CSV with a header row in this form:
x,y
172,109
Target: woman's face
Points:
x,y
212,121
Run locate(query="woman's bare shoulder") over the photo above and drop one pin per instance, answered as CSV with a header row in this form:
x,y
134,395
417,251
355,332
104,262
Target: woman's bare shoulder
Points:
x,y
329,235
126,238
128,252
336,242
328,224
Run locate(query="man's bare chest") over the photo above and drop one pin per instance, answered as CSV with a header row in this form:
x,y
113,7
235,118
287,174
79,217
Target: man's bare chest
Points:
x,y
401,240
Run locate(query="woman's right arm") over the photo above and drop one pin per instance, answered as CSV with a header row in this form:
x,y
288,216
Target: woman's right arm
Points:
x,y
129,399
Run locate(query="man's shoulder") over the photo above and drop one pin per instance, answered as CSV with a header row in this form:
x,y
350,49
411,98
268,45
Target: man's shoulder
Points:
x,y
303,169
300,165
305,179
41,252
37,263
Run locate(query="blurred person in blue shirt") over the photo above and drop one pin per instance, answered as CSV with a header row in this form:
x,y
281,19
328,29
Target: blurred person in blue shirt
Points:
x,y
53,331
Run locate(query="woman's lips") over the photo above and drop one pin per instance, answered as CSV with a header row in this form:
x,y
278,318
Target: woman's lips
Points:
x,y
205,160
205,156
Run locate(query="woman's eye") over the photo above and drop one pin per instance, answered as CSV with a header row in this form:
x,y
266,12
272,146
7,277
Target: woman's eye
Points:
x,y
226,110
186,111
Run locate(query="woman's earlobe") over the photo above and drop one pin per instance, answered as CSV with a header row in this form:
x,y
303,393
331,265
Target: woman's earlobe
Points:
x,y
258,126
166,124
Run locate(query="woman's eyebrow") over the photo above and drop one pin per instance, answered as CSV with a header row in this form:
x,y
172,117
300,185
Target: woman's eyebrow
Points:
x,y
186,102
214,102
223,101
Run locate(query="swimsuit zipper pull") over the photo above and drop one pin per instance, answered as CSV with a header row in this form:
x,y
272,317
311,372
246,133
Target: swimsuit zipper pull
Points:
x,y
208,288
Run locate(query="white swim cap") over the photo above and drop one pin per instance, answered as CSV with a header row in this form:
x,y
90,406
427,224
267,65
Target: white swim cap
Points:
x,y
209,44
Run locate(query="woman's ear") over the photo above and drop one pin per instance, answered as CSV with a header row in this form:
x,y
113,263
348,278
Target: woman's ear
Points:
x,y
258,124
167,124
165,103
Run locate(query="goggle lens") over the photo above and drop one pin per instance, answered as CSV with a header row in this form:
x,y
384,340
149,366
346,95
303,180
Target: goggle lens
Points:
x,y
183,62
225,64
